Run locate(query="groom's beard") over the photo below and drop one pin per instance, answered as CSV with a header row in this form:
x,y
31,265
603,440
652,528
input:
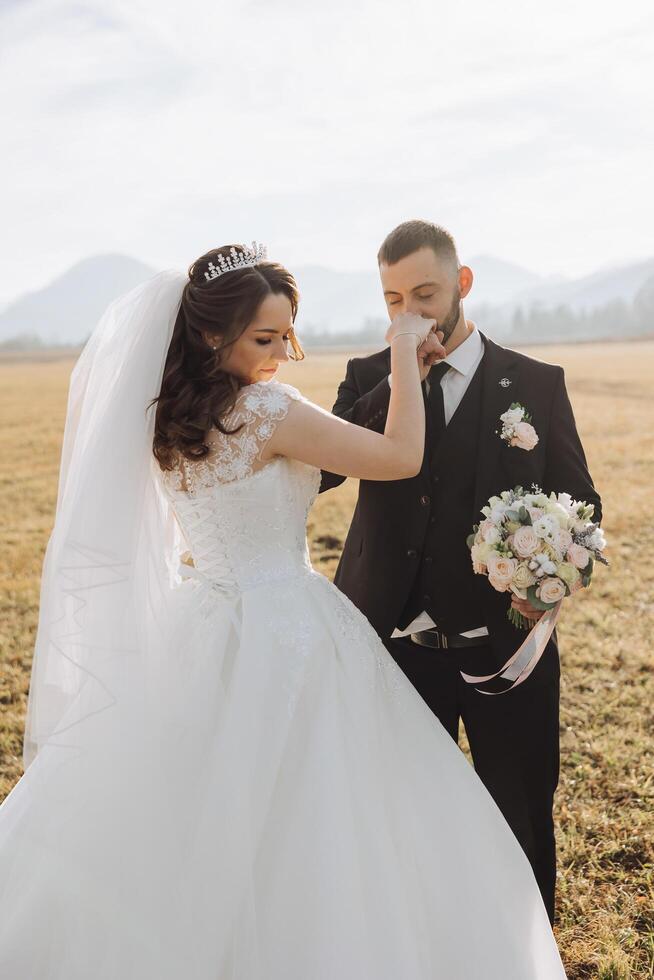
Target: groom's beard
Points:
x,y
449,323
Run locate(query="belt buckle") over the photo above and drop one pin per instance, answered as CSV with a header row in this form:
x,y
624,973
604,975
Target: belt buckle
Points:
x,y
441,639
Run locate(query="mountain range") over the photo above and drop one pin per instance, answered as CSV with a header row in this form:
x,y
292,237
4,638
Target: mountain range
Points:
x,y
339,304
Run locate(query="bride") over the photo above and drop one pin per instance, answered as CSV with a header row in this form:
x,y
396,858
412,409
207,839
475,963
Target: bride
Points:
x,y
227,776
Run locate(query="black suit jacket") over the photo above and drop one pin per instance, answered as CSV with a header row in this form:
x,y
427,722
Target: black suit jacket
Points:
x,y
389,525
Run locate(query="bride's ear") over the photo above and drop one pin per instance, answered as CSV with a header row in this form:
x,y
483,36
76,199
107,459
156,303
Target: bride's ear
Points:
x,y
211,340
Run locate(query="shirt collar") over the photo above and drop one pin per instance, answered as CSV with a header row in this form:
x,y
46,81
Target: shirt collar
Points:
x,y
466,356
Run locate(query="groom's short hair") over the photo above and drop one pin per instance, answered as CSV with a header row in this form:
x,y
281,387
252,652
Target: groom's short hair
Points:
x,y
412,235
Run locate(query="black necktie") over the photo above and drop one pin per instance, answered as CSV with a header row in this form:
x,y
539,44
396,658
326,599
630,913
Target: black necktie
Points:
x,y
435,403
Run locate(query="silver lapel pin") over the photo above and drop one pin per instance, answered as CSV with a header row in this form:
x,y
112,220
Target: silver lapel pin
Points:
x,y
505,382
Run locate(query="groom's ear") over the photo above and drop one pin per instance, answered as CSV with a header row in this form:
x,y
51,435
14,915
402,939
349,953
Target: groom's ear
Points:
x,y
466,278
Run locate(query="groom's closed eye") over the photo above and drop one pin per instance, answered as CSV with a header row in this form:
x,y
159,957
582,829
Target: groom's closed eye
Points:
x,y
393,302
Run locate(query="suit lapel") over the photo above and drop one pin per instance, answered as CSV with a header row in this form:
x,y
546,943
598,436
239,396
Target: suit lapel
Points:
x,y
499,366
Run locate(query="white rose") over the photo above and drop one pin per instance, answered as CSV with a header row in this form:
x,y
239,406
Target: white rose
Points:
x,y
489,532
512,416
578,555
568,573
551,590
524,436
480,554
500,571
485,551
522,577
525,541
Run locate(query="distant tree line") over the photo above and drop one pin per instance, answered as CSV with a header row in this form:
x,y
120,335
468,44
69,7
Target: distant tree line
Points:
x,y
540,324
371,333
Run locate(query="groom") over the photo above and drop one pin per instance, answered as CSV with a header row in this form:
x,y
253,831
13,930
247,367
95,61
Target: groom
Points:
x,y
406,564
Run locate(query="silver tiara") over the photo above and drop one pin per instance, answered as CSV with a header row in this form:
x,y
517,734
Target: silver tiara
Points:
x,y
242,259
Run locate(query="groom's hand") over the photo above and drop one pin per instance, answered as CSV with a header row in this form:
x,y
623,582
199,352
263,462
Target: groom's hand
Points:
x,y
430,352
524,607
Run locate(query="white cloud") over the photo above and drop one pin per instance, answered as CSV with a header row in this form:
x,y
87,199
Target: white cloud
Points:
x,y
158,129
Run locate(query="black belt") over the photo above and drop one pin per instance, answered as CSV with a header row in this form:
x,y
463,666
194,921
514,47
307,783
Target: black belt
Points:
x,y
441,641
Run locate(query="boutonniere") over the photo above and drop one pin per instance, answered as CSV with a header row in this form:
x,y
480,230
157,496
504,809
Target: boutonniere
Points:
x,y
517,429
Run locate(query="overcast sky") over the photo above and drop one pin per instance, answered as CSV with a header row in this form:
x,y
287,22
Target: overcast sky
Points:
x,y
161,129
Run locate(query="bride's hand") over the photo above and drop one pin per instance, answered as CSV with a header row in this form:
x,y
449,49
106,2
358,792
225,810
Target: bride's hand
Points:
x,y
430,348
410,323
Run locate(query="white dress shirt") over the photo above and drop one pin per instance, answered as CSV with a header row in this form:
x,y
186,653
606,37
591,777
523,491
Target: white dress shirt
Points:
x,y
463,361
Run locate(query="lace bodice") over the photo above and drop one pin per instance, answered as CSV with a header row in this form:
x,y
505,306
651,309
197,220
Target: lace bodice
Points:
x,y
244,518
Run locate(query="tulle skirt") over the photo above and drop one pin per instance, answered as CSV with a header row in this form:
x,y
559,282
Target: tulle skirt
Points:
x,y
272,801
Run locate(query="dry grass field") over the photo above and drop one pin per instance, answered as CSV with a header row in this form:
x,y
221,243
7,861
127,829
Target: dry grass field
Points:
x,y
604,804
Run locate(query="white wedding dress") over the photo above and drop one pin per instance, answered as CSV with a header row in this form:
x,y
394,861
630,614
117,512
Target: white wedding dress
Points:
x,y
300,814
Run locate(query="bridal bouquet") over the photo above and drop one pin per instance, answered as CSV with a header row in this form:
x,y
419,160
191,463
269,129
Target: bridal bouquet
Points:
x,y
539,547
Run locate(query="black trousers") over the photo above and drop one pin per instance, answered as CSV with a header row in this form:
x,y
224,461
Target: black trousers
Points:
x,y
514,738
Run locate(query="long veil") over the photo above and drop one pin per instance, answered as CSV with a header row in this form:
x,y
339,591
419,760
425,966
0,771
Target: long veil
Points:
x,y
108,563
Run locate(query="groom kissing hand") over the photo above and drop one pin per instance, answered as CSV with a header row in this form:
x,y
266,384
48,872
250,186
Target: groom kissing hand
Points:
x,y
406,563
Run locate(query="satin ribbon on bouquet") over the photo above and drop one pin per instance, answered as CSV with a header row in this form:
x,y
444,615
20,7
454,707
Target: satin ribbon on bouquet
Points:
x,y
524,660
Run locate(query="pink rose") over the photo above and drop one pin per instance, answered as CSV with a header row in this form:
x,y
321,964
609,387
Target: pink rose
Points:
x,y
551,590
501,571
525,541
562,540
524,436
578,555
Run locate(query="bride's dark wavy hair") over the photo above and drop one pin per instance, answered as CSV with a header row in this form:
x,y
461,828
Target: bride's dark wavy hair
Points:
x,y
196,393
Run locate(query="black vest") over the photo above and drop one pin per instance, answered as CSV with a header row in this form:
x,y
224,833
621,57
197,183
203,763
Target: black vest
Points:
x,y
445,585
